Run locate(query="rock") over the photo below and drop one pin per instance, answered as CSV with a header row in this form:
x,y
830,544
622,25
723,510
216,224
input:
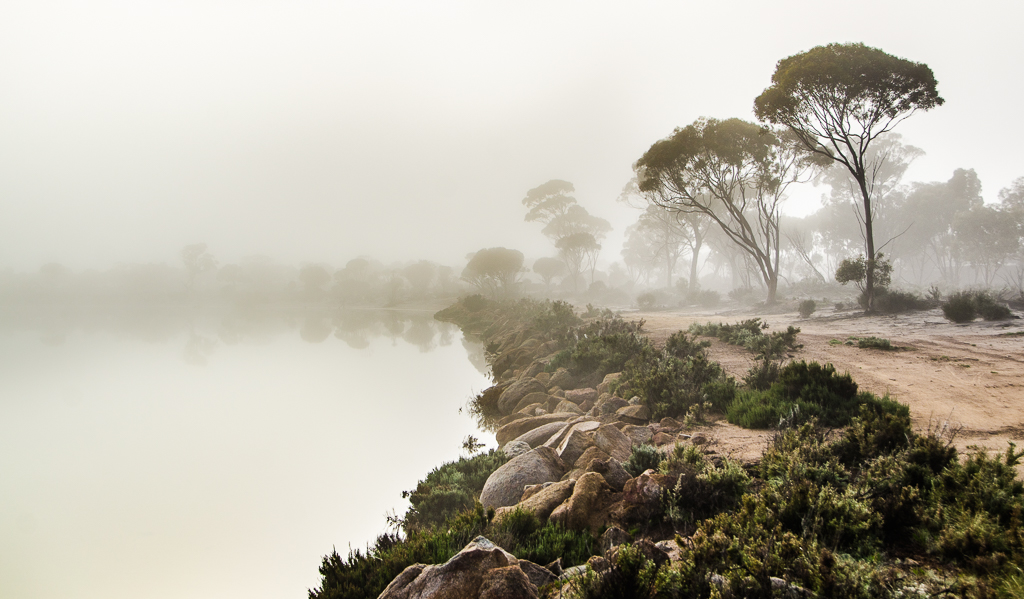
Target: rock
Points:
x,y
662,439
537,436
587,406
635,401
612,471
516,448
573,446
531,490
531,409
516,391
510,418
592,454
670,548
567,407
542,502
639,435
578,396
605,386
488,399
598,563
505,485
532,398
461,576
517,427
613,442
647,487
557,392
538,575
577,512
543,377
613,537
561,378
509,582
611,405
670,423
634,414
577,424
536,367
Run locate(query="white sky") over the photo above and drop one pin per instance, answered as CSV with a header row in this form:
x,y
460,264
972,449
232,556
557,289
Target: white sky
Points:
x,y
317,131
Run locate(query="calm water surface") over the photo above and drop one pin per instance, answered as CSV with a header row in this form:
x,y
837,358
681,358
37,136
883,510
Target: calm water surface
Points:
x,y
215,456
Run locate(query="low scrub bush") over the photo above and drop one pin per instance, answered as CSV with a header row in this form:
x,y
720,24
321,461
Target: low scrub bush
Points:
x,y
802,391
601,346
989,308
892,301
672,379
806,308
702,488
450,489
748,334
875,343
960,307
647,301
631,576
644,457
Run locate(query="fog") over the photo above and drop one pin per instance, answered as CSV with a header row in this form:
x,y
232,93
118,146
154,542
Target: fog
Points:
x,y
318,132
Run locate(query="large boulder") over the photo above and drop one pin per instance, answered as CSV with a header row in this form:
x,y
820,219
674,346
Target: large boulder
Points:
x,y
610,405
638,414
612,471
532,398
573,446
516,448
516,391
638,434
580,511
567,407
542,433
541,503
538,575
613,442
517,427
561,378
578,396
605,386
509,582
461,576
505,485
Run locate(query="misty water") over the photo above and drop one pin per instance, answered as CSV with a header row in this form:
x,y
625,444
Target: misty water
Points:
x,y
185,454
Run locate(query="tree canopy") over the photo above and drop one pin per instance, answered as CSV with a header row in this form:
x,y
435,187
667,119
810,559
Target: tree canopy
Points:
x,y
495,271
837,100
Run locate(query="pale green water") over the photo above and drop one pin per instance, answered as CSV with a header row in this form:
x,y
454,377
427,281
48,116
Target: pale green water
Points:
x,y
215,460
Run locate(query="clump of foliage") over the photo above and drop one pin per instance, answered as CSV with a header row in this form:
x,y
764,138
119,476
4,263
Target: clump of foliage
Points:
x,y
892,301
965,306
672,379
705,298
521,533
644,457
632,575
647,301
875,343
601,346
806,308
703,488
803,391
450,489
762,374
960,307
748,334
855,270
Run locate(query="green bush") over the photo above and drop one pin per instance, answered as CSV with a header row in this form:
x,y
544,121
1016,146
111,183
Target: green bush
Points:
x,y
748,334
647,301
644,457
450,489
762,374
806,308
601,346
802,391
989,309
875,343
960,307
891,301
631,576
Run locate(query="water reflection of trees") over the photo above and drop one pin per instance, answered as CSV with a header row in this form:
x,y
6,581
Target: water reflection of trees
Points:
x,y
206,328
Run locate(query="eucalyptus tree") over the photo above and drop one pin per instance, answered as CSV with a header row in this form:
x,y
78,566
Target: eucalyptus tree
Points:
x,y
495,271
734,172
837,100
549,269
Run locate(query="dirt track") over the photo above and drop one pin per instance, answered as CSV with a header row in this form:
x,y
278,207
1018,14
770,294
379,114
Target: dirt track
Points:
x,y
949,374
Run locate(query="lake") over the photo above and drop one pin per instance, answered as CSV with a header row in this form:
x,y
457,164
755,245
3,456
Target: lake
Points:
x,y
192,453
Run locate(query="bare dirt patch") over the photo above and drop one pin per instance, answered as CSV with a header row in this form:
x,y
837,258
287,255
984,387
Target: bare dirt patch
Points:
x,y
969,375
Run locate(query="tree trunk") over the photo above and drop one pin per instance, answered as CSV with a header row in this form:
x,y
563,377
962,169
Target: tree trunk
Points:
x,y
869,241
697,243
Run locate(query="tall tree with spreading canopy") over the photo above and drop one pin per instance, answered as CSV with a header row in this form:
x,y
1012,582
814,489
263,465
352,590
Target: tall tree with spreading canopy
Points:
x,y
495,271
837,100
734,172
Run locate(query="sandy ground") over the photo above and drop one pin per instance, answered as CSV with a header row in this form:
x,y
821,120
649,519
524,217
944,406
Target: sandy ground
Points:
x,y
969,375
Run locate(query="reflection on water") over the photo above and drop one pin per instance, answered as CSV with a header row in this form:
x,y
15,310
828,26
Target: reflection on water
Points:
x,y
208,328
213,453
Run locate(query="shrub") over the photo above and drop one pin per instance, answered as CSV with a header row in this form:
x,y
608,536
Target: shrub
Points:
x,y
601,346
762,374
889,301
707,298
672,379
748,334
989,308
644,457
960,307
803,390
450,489
807,308
647,301
875,343
631,576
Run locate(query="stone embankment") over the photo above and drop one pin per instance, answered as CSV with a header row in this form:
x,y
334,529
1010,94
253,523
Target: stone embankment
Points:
x,y
568,439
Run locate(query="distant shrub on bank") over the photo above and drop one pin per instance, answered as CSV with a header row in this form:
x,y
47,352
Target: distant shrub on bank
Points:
x,y
965,306
748,334
450,489
806,308
893,301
